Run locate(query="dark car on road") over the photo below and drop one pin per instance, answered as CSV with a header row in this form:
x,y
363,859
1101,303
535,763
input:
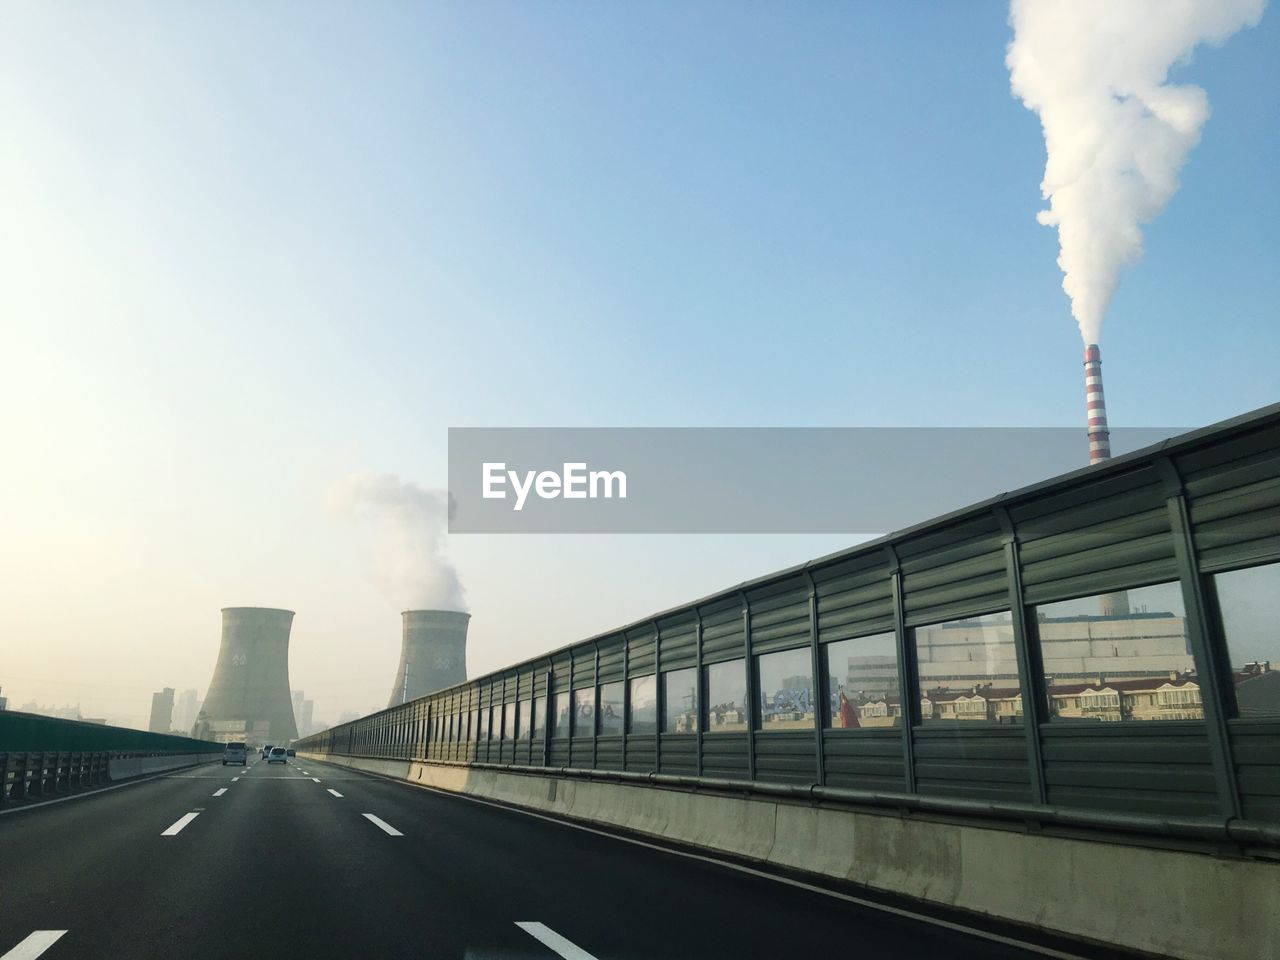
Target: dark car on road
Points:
x,y
234,753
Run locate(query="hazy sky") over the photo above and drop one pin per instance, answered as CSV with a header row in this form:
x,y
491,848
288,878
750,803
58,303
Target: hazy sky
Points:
x,y
247,250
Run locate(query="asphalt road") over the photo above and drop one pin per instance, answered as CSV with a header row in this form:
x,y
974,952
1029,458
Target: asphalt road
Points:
x,y
274,864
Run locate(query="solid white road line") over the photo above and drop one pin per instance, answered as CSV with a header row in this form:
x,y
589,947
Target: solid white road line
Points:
x,y
334,792
220,791
175,829
383,825
549,938
34,945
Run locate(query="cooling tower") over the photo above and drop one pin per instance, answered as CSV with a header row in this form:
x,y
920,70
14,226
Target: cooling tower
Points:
x,y
248,697
1096,405
433,653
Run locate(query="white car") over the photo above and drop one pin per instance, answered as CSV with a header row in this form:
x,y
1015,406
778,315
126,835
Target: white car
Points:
x,y
277,755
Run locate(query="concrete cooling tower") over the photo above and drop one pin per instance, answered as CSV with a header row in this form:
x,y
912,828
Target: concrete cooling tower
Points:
x,y
433,654
248,697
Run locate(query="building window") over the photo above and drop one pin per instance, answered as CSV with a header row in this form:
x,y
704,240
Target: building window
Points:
x,y
643,717
967,670
1118,656
785,682
680,701
525,719
508,721
1249,605
726,696
609,716
862,682
584,712
539,717
560,701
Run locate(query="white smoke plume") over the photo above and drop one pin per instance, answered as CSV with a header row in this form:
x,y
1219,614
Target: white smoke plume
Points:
x,y
410,525
1117,133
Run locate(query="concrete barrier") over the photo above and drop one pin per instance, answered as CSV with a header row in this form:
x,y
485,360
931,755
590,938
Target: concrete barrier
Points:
x,y
126,768
1192,906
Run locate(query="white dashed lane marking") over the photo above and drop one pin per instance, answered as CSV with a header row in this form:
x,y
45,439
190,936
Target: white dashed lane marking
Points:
x,y
334,792
234,779
34,944
552,940
220,791
383,825
174,830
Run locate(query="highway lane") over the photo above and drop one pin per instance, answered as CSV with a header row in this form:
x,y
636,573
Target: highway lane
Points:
x,y
280,865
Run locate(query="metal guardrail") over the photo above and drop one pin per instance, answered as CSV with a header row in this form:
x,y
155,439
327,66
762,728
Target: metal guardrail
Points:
x,y
42,757
39,774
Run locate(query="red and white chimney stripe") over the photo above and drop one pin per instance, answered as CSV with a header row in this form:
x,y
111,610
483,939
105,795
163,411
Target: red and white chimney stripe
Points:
x,y
1096,405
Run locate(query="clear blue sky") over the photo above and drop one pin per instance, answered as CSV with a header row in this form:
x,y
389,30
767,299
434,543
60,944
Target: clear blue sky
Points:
x,y
247,249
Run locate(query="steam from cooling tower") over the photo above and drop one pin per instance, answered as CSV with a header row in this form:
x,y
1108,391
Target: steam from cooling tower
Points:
x,y
409,525
1116,131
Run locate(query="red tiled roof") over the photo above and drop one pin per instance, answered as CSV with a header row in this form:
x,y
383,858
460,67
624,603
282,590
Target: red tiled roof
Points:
x,y
1143,683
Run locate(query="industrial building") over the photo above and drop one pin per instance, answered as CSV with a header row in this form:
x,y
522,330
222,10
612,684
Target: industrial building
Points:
x,y
161,711
185,711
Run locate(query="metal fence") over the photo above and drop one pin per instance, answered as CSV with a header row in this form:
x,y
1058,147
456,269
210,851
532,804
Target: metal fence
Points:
x,y
1101,647
41,757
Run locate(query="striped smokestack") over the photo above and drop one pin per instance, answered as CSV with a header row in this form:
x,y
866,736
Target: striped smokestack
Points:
x,y
1096,405
1112,605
